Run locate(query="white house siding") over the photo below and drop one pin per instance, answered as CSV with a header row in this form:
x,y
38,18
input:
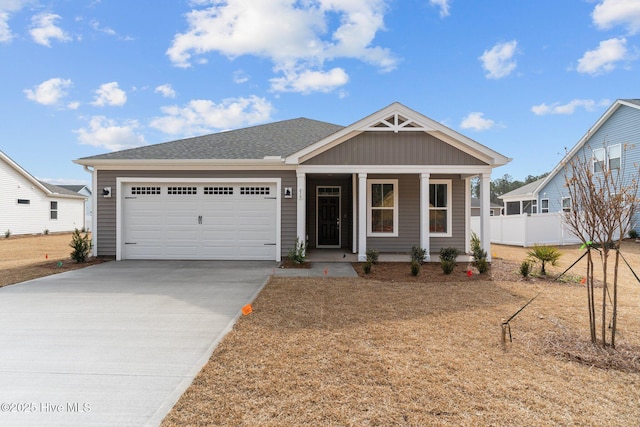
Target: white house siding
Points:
x,y
622,127
34,217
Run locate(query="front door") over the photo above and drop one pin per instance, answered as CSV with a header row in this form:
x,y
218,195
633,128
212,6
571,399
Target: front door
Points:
x,y
328,199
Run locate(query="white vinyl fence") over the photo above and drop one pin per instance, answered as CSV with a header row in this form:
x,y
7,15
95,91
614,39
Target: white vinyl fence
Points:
x,y
527,230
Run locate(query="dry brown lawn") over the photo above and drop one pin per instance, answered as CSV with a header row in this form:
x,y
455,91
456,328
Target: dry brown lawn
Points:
x,y
31,256
390,351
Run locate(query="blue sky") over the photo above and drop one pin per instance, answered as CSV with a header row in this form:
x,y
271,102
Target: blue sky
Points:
x,y
526,78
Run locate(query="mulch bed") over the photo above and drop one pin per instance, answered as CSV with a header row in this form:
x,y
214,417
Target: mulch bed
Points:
x,y
14,275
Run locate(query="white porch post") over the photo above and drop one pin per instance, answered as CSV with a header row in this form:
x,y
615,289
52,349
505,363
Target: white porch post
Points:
x,y
301,205
424,215
485,206
467,215
355,219
362,217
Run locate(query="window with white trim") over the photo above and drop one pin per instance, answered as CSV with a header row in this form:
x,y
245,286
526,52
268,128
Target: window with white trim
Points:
x,y
615,154
440,207
53,211
382,207
544,206
566,204
598,159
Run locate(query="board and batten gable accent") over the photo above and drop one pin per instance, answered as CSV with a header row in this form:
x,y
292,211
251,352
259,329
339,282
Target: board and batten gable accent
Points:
x,y
409,216
106,207
622,127
389,148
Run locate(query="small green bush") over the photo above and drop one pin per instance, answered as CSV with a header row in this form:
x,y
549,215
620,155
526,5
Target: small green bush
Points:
x,y
7,234
367,267
298,254
415,267
81,244
525,268
418,254
482,265
46,231
479,254
633,233
544,254
448,259
372,255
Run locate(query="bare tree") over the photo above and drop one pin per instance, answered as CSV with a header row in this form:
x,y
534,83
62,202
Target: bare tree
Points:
x,y
604,201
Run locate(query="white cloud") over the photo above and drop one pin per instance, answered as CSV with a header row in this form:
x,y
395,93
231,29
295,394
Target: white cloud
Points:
x,y
204,116
6,7
293,35
49,92
569,108
610,13
107,133
476,121
309,81
603,59
240,76
498,61
108,30
74,105
43,29
443,5
110,94
166,90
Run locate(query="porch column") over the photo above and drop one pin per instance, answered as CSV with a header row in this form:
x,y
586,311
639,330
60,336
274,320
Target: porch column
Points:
x,y
485,198
424,215
354,209
362,217
301,204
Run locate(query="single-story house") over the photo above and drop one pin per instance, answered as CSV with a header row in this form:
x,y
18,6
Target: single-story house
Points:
x,y
84,190
30,206
614,139
390,181
495,209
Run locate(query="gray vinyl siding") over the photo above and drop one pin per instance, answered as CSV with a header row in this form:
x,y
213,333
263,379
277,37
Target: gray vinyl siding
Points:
x,y
409,216
106,207
622,127
389,148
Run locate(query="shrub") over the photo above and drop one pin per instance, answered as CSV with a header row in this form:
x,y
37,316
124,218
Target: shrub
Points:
x,y
367,267
525,268
372,256
479,254
46,231
544,254
482,265
7,234
633,233
448,259
81,244
298,254
415,267
418,254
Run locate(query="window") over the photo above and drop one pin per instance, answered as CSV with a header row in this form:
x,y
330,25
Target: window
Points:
x,y
53,212
440,207
145,190
249,191
382,212
182,190
544,206
566,204
615,152
598,159
217,191
24,201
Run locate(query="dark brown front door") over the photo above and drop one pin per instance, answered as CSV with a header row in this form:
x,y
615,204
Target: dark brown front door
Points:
x,y
328,220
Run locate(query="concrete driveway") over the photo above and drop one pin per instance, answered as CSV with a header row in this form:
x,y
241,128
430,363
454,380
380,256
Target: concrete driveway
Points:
x,y
118,343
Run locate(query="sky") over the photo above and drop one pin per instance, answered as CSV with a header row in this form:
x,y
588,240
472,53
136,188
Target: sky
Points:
x,y
525,78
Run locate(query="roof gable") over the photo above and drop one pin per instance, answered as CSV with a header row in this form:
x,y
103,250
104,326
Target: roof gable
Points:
x,y
633,103
398,118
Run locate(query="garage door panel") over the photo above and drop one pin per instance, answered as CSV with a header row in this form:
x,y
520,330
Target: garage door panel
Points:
x,y
200,221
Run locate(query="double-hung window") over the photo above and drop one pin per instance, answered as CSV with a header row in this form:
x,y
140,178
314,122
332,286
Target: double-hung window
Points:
x,y
615,153
566,204
382,209
440,207
544,206
53,211
598,159
610,156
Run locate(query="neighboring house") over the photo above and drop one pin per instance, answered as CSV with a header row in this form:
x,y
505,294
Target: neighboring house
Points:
x,y
614,139
30,206
84,191
390,181
494,208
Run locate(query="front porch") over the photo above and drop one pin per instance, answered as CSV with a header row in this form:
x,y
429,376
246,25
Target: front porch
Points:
x,y
343,255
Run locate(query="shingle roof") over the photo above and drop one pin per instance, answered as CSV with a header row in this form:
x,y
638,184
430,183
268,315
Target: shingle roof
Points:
x,y
74,188
525,189
255,142
59,190
632,101
475,203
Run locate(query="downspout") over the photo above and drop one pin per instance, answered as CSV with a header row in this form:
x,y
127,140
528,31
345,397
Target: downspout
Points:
x,y
94,210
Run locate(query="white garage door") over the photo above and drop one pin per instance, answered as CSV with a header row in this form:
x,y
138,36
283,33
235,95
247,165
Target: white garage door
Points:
x,y
199,221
